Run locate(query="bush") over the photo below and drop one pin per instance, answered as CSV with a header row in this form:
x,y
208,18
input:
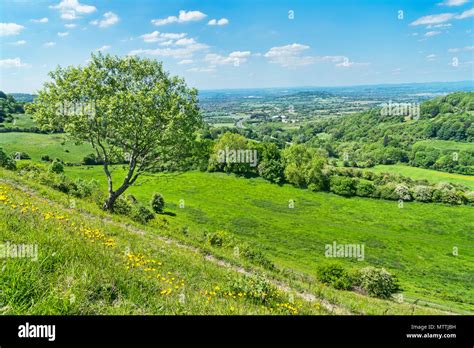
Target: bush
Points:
x,y
364,188
84,188
257,288
141,214
122,206
387,192
403,192
56,167
7,161
342,186
46,158
220,239
157,203
336,276
469,197
91,159
422,193
378,282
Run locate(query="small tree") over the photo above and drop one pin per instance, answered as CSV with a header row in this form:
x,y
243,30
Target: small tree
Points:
x,y
125,108
56,167
157,203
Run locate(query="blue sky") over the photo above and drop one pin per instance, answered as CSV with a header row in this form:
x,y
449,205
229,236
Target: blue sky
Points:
x,y
244,43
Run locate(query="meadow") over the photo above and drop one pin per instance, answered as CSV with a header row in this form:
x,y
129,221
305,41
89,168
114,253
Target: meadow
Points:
x,y
416,242
432,176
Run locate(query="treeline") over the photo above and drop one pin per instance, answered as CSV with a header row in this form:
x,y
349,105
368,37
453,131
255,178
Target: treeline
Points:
x,y
9,106
312,169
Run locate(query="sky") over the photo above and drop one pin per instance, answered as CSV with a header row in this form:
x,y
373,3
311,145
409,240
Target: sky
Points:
x,y
244,43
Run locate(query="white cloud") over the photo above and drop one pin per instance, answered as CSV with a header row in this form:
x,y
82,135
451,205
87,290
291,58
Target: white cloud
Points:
x,y
466,14
431,57
109,19
70,26
41,20
185,42
103,48
18,43
156,36
185,61
235,58
49,44
13,63
63,34
9,29
183,17
69,9
222,21
467,48
452,3
208,69
432,33
178,53
445,25
433,19
289,55
346,63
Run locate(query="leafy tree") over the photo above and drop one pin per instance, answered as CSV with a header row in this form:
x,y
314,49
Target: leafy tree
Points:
x,y
124,107
304,167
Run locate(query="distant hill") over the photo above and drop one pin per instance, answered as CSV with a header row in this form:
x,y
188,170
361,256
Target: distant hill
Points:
x,y
23,97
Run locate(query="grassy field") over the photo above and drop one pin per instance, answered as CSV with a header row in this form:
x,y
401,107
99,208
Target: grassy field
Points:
x,y
37,145
428,174
446,145
416,242
21,121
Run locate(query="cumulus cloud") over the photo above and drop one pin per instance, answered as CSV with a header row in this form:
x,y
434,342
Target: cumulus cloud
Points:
x,y
109,19
289,55
156,36
49,44
235,58
9,29
70,25
71,9
443,17
12,63
41,20
222,21
183,17
466,14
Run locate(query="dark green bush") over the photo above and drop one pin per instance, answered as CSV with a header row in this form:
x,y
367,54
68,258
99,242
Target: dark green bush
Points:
x,y
56,167
157,203
335,275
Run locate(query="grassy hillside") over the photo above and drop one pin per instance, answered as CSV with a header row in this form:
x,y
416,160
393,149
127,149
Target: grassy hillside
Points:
x,y
37,145
415,242
90,262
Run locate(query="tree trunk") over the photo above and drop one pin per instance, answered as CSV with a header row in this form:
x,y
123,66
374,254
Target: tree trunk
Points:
x,y
110,201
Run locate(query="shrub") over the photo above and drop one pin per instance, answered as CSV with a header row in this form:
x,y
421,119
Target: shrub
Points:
x,y
342,186
122,206
56,167
84,188
377,282
403,192
364,188
157,203
46,158
387,191
91,159
257,288
422,193
7,161
469,196
335,275
220,239
141,214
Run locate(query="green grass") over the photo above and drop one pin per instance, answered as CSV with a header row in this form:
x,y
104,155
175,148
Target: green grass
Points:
x,y
428,174
37,145
22,121
416,242
446,145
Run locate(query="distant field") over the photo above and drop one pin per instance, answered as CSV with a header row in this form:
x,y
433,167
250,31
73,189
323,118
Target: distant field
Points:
x,y
415,242
428,174
37,145
446,145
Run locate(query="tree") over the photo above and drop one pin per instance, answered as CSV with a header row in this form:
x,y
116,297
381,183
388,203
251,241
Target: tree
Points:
x,y
125,108
304,167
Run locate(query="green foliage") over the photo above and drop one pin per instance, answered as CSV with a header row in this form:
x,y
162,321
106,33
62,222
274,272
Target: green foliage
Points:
x,y
257,288
56,167
342,186
378,282
304,167
335,275
7,161
157,203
